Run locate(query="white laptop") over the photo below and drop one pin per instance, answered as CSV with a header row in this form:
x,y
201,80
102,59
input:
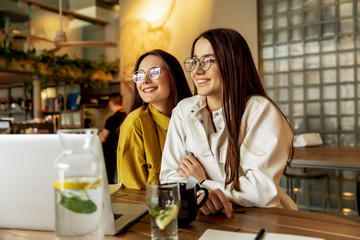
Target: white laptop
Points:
x,y
27,188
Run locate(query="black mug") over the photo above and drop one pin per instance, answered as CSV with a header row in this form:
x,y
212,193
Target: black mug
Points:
x,y
189,206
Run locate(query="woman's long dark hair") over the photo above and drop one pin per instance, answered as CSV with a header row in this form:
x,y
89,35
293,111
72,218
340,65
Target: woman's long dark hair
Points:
x,y
240,81
179,85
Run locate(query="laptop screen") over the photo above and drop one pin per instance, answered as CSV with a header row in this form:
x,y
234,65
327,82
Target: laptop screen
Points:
x,y
26,179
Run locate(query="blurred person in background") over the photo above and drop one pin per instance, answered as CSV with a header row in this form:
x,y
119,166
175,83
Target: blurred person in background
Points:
x,y
109,136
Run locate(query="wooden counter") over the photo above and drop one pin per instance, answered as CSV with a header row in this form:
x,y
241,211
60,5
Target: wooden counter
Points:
x,y
272,219
327,157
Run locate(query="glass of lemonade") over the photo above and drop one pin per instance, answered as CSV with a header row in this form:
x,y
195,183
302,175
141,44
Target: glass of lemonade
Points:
x,y
79,187
163,201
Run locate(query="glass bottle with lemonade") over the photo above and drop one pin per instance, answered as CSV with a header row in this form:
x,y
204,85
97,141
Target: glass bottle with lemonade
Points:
x,y
79,188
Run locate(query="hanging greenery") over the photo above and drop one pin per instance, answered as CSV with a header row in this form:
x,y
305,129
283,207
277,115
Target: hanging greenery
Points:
x,y
46,67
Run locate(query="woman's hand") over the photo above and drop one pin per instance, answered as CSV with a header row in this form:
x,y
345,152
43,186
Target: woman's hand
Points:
x,y
216,202
189,166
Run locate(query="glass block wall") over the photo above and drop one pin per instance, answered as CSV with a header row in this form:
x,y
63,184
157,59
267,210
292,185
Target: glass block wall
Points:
x,y
310,55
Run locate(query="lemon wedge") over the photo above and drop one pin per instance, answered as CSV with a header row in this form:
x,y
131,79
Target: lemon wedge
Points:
x,y
70,185
73,183
166,216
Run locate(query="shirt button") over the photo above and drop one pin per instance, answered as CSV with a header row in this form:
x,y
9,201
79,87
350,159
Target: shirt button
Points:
x,y
192,111
149,166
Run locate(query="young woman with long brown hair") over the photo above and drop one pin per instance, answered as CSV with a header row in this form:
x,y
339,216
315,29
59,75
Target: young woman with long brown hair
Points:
x,y
159,84
231,137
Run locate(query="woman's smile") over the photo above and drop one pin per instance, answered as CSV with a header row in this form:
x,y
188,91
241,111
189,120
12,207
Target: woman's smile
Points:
x,y
201,81
149,89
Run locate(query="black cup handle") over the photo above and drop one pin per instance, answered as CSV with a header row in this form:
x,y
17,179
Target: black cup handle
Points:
x,y
206,192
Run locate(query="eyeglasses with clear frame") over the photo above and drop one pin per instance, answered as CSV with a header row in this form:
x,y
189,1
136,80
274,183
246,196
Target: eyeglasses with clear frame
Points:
x,y
204,63
153,72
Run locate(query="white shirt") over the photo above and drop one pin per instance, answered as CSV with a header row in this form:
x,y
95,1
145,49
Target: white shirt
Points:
x,y
266,143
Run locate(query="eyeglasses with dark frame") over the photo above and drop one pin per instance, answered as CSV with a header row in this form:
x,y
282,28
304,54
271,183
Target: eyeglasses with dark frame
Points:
x,y
153,72
204,63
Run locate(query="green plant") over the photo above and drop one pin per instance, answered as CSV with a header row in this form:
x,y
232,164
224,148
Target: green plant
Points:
x,y
60,67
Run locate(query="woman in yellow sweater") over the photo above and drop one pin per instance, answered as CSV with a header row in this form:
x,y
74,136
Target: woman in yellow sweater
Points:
x,y
159,84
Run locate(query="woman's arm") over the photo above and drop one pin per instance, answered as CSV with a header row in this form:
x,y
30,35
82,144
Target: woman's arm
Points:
x,y
217,199
131,156
267,139
174,148
189,166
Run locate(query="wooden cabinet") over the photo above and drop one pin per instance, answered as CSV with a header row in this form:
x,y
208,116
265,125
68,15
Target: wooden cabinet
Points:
x,y
72,106
61,104
15,102
19,103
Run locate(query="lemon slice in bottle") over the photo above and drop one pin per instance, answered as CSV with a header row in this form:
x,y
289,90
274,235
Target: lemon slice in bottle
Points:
x,y
77,183
71,193
166,216
95,184
70,184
